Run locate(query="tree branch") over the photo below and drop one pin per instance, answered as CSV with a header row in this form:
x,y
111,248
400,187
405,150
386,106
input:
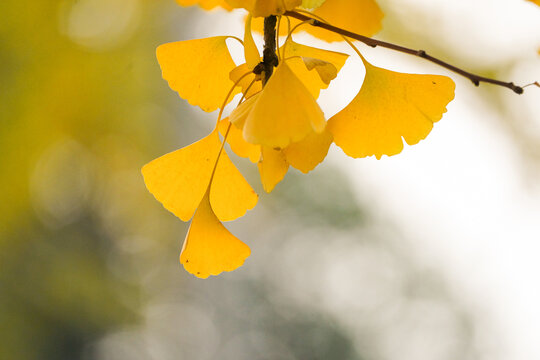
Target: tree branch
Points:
x,y
476,79
270,58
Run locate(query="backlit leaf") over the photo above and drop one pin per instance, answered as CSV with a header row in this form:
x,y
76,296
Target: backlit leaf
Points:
x,y
230,194
198,70
280,117
311,79
310,152
179,180
363,17
273,167
240,114
209,248
312,4
238,145
245,82
251,53
327,72
390,106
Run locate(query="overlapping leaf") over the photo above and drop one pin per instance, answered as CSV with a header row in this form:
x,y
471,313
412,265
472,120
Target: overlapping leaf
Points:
x,y
180,179
198,70
315,70
251,53
238,145
312,4
277,117
314,61
306,154
272,168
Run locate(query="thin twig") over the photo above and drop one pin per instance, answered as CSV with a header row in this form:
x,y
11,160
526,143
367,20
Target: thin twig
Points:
x,y
476,79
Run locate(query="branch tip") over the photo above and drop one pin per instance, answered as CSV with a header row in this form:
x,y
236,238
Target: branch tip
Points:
x,y
517,89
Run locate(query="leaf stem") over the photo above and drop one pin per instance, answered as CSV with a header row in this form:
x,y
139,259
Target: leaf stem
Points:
x,y
476,79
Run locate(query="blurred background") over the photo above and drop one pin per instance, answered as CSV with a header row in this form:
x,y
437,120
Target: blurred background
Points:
x,y
431,254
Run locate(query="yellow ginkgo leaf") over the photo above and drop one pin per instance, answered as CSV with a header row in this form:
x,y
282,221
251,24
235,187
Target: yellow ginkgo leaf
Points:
x,y
246,82
238,145
251,53
239,115
273,167
363,17
284,112
205,4
327,72
295,49
312,79
209,248
390,106
310,152
264,8
537,2
230,194
179,180
198,70
312,4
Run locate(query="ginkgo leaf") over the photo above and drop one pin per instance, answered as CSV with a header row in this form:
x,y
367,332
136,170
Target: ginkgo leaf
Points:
x,y
179,180
312,4
311,80
264,8
251,53
239,115
537,2
292,48
238,145
198,70
209,248
245,82
273,167
310,152
279,117
363,17
205,4
390,106
327,72
230,194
